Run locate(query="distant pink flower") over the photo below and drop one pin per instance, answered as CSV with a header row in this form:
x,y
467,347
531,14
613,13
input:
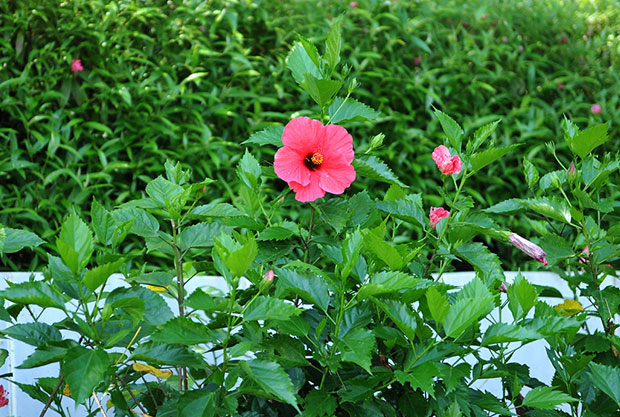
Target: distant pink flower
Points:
x,y
353,4
503,288
76,65
446,163
560,86
529,248
267,280
521,48
3,399
417,60
484,16
564,39
504,39
596,109
315,159
585,251
436,214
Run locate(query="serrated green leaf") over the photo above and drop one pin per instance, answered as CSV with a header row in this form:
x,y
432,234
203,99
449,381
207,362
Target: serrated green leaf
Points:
x,y
249,170
586,141
437,304
165,354
350,110
333,44
408,209
35,334
530,172
522,297
102,223
383,251
357,347
216,210
472,302
481,135
196,403
269,136
270,308
278,232
484,158
607,379
97,276
84,369
300,64
310,287
183,331
374,168
504,332
319,403
36,292
485,263
75,243
240,260
322,91
272,379
387,282
16,240
335,213
451,128
421,377
162,190
201,235
143,224
546,398
400,314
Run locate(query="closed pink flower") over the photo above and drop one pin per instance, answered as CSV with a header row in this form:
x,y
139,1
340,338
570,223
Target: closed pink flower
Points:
x,y
503,288
585,252
529,248
3,399
446,163
353,4
596,109
315,159
436,214
76,65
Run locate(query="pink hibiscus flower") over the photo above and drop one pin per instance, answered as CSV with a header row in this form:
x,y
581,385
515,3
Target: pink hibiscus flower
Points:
x,y
596,109
76,65
3,399
315,159
436,214
446,163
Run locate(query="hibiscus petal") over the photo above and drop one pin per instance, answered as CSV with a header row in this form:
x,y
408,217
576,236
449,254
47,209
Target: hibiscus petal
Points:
x,y
289,166
303,135
441,154
337,141
336,179
306,193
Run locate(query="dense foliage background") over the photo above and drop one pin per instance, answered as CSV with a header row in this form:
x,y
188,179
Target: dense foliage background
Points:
x,y
191,80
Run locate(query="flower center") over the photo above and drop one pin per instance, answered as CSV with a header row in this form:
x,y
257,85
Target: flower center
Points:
x,y
313,161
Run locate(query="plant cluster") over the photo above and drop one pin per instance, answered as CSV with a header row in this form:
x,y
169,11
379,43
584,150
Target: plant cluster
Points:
x,y
334,302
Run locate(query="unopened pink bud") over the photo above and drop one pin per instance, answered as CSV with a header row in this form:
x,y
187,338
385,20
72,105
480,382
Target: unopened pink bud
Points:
x,y
560,86
353,4
484,16
436,214
267,280
529,248
585,251
596,109
503,288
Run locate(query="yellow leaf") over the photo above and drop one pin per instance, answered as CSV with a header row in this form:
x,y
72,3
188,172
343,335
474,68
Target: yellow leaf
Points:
x,y
66,391
140,367
569,308
156,288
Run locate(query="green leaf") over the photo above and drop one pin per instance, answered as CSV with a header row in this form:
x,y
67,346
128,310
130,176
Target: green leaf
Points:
x,y
84,370
503,332
484,158
350,110
335,213
4,354
46,354
422,377
36,292
183,331
163,191
549,207
97,276
522,296
319,403
486,263
408,209
278,232
196,403
400,314
311,50
530,172
607,379
310,287
383,251
451,128
75,243
322,91
201,235
587,140
103,223
333,43
164,354
240,260
16,240
98,126
472,302
374,168
481,135
272,379
269,308
143,223
300,64
358,347
249,170
420,44
388,282
556,248
35,334
132,306
269,136
437,304
295,326
546,398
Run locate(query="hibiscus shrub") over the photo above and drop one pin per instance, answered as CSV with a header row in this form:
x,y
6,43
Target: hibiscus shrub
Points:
x,y
333,301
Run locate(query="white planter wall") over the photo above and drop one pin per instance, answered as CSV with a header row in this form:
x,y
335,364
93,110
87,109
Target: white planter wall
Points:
x,y
21,405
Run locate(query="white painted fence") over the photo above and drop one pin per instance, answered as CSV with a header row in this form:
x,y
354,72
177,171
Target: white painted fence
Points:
x,y
21,405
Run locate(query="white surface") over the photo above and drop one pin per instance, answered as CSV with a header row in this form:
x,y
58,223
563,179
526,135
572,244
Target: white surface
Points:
x,y
22,405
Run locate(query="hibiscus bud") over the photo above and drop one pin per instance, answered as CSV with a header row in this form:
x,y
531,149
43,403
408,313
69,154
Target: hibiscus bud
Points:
x,y
266,281
596,109
353,4
376,142
560,86
564,39
484,16
417,61
503,288
529,248
436,214
572,173
586,252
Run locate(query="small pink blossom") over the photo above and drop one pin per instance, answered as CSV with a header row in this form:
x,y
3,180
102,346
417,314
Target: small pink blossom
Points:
x,y
504,39
596,109
417,60
267,280
353,4
560,86
76,65
446,163
484,16
3,397
564,39
529,248
503,288
436,214
585,251
315,159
